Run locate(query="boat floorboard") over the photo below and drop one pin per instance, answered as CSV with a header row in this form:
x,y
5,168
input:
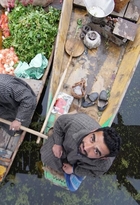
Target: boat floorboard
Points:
x,y
97,66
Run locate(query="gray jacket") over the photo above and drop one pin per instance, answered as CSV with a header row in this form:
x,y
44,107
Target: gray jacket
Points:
x,y
17,100
68,131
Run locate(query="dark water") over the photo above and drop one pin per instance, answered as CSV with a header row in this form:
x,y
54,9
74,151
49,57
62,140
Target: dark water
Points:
x,y
25,184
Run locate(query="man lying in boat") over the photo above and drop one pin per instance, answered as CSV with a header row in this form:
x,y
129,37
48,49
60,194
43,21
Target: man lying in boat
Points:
x,y
79,146
17,103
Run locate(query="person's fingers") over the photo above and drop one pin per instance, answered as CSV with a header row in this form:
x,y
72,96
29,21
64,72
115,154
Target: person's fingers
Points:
x,y
14,128
60,154
57,154
64,165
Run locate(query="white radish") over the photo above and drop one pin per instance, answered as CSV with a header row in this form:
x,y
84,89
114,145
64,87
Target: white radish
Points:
x,y
6,66
8,69
11,63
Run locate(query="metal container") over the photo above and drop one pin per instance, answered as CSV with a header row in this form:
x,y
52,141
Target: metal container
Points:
x,y
99,8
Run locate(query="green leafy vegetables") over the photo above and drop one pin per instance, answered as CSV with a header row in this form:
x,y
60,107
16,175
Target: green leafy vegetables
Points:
x,y
32,31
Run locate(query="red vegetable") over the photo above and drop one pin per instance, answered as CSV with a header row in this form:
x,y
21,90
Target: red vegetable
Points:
x,y
4,25
8,58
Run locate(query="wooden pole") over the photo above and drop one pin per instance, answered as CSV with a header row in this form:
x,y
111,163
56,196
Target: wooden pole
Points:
x,y
54,99
74,48
26,129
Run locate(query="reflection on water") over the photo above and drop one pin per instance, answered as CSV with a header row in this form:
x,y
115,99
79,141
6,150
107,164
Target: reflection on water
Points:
x,y
25,184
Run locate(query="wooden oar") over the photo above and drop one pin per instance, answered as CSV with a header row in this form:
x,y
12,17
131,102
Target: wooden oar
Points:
x,y
74,47
26,129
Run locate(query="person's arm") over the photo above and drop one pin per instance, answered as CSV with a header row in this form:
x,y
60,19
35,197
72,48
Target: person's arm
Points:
x,y
26,100
96,169
60,128
85,172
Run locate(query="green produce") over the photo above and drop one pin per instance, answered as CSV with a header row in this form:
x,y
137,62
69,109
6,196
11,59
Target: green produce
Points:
x,y
32,31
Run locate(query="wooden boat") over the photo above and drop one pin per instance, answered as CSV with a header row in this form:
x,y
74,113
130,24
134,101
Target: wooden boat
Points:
x,y
109,67
9,145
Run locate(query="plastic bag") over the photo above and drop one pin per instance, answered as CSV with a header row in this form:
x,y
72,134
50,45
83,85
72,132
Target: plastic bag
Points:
x,y
34,70
62,104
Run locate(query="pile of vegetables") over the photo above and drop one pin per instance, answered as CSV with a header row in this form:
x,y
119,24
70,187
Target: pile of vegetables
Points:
x,y
32,31
4,25
8,59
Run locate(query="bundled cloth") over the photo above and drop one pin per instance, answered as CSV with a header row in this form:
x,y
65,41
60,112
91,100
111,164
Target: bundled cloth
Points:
x,y
73,181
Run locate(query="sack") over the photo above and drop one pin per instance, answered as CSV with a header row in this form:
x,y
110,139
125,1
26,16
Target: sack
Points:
x,y
43,3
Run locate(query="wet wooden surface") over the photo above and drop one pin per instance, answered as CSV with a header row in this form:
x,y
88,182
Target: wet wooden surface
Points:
x,y
97,66
125,29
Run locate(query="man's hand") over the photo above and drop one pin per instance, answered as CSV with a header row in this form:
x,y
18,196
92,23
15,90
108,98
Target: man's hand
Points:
x,y
57,150
67,168
15,125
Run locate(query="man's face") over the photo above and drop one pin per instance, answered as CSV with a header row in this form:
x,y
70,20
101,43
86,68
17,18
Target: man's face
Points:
x,y
93,145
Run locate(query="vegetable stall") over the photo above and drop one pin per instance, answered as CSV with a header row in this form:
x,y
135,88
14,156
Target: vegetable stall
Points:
x,y
26,31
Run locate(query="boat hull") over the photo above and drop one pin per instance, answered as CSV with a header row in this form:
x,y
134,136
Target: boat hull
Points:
x,y
9,145
109,67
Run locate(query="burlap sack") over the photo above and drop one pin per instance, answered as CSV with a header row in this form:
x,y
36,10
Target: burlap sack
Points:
x,y
43,3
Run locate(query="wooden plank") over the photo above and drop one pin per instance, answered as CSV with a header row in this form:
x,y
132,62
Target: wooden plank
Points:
x,y
6,164
5,159
120,4
125,29
13,142
14,154
5,153
4,138
60,42
119,14
122,80
132,12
